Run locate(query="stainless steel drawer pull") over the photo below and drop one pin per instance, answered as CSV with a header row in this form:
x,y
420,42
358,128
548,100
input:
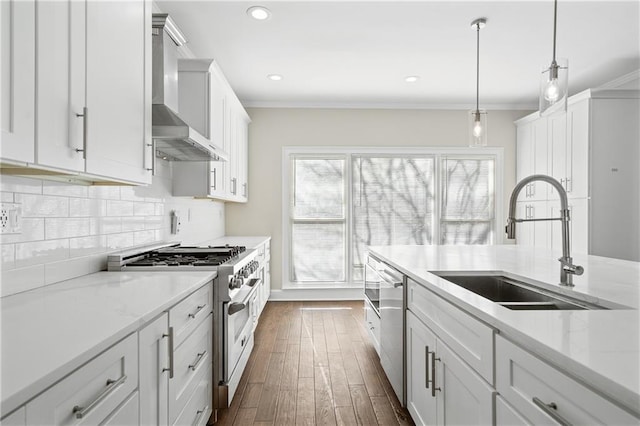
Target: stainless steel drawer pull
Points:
x,y
85,116
198,309
433,375
200,413
170,369
201,356
112,385
551,409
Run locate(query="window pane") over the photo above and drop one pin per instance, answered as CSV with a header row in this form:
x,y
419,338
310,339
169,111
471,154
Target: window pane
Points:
x,y
466,232
392,203
318,188
318,252
467,189
467,201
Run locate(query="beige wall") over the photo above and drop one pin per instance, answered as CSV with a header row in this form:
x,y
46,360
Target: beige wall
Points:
x,y
273,128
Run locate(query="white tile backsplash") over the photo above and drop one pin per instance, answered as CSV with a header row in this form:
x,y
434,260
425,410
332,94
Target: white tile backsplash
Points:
x,y
66,227
68,230
43,205
28,254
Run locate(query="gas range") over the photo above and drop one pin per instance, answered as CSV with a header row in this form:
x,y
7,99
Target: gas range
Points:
x,y
235,264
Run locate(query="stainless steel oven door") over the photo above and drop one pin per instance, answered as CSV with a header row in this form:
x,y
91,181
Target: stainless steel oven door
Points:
x,y
372,280
238,327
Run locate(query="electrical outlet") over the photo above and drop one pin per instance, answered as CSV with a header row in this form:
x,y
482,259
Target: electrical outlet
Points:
x,y
10,218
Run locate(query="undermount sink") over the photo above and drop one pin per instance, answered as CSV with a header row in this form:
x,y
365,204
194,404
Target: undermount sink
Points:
x,y
514,294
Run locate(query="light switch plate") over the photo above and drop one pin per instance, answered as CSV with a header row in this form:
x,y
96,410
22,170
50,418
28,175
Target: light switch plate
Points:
x,y
10,218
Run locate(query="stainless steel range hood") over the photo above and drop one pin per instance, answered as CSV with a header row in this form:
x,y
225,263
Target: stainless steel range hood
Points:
x,y
173,138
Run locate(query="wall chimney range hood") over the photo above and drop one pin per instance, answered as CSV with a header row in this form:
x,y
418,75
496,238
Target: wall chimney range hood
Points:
x,y
173,138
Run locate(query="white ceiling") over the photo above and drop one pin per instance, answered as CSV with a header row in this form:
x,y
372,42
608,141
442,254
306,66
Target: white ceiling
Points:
x,y
339,53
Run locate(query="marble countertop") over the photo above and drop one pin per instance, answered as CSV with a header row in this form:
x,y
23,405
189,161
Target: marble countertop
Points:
x,y
50,331
601,347
249,242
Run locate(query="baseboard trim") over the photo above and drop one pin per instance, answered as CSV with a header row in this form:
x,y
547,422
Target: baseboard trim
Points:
x,y
309,294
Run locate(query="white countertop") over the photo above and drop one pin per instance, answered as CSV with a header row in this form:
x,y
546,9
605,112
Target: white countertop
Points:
x,y
50,331
600,347
248,242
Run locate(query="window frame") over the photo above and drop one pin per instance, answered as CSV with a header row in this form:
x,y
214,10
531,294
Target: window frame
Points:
x,y
347,153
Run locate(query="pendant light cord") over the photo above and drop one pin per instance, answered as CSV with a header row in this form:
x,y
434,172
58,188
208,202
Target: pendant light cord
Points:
x,y
555,19
478,69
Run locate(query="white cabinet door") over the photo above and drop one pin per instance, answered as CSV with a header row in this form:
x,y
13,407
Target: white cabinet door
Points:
x,y
243,154
118,90
420,342
17,39
154,372
538,210
578,225
463,397
524,230
540,190
60,83
559,151
578,149
524,153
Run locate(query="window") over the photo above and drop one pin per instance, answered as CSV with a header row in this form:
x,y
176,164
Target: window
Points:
x,y
339,201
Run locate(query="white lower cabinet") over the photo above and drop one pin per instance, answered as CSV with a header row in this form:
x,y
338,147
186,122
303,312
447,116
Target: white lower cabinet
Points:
x,y
92,392
154,372
197,410
441,387
126,414
545,395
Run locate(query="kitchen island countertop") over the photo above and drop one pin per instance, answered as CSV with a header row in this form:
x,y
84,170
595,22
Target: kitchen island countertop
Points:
x,y
50,331
599,347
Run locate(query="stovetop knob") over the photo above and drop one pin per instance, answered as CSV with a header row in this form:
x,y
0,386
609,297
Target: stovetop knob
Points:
x,y
245,272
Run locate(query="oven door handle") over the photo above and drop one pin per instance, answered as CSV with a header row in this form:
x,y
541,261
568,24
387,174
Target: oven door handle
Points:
x,y
234,308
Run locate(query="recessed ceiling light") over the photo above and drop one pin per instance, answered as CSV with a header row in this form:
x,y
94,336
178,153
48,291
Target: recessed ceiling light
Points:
x,y
274,77
411,78
260,13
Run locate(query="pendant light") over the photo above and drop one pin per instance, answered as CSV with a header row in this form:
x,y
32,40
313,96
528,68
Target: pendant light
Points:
x,y
477,117
553,80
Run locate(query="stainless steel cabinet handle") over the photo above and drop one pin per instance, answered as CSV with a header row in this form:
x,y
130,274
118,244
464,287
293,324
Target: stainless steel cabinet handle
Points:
x,y
433,375
233,185
244,189
80,412
85,116
153,157
170,369
200,413
533,189
569,184
426,367
198,309
201,356
551,410
215,178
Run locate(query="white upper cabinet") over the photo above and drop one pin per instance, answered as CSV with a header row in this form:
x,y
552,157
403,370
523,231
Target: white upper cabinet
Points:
x,y
208,104
89,65
17,39
118,135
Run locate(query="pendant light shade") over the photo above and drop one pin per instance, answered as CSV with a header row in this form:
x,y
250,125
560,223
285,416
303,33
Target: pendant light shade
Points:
x,y
554,82
477,117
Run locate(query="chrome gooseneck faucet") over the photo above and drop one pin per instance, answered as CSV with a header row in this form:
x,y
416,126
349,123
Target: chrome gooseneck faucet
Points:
x,y
567,268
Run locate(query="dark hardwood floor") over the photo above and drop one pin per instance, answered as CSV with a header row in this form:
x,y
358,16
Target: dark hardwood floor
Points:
x,y
313,364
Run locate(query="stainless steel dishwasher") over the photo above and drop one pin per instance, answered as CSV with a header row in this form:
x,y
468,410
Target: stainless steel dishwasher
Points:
x,y
392,325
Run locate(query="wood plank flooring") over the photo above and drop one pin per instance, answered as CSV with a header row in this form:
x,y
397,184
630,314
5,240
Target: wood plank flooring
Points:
x,y
313,364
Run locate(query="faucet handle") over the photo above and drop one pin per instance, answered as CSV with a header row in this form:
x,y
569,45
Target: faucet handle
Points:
x,y
570,268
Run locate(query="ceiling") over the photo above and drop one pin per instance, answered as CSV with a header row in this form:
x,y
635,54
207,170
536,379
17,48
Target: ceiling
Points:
x,y
356,54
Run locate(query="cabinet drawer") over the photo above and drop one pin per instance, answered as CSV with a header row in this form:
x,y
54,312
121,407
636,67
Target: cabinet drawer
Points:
x,y
521,377
507,415
372,323
191,360
468,337
126,414
197,410
186,315
92,392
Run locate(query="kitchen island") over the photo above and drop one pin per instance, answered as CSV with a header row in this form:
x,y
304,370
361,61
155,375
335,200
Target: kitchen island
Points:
x,y
598,348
